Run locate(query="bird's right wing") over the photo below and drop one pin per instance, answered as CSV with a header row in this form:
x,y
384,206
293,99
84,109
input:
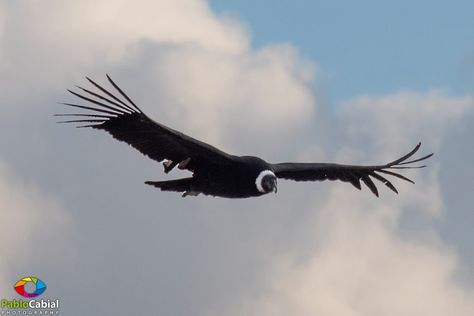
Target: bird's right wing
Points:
x,y
119,116
349,173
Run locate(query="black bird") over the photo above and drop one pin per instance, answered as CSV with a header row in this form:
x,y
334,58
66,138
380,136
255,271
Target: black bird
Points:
x,y
214,172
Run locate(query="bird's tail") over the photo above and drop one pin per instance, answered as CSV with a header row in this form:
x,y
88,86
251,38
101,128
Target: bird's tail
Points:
x,y
179,185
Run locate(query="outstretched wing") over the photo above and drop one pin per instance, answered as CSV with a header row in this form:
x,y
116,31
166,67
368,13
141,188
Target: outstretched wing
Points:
x,y
349,173
119,116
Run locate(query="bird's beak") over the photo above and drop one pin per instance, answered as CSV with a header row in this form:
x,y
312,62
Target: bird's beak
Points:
x,y
276,188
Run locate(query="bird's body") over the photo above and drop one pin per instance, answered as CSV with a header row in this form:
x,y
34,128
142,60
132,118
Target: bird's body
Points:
x,y
214,172
235,179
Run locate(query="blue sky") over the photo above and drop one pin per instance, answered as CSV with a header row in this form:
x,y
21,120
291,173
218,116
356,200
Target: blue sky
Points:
x,y
370,47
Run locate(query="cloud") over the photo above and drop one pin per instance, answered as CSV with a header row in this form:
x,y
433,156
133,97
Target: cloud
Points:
x,y
364,266
402,116
83,33
320,247
2,31
29,219
387,124
199,65
206,82
210,93
363,262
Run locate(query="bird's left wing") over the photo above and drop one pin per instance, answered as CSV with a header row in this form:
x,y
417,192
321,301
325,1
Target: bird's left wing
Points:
x,y
119,116
349,173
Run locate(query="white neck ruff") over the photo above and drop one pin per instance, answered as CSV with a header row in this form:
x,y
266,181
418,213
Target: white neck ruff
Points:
x,y
258,181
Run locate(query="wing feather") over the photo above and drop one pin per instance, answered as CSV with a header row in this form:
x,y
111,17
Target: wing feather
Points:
x,y
124,120
349,173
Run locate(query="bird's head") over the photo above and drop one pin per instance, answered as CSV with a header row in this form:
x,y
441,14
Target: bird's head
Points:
x,y
266,182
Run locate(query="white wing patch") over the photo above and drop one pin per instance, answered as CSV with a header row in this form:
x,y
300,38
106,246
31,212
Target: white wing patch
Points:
x,y
258,181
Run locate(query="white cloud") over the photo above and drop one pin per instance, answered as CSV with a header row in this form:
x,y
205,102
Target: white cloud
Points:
x,y
32,225
2,31
399,119
199,65
362,262
210,93
387,125
363,266
67,37
195,72
328,248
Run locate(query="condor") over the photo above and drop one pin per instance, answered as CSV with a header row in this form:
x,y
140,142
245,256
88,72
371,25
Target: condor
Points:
x,y
214,172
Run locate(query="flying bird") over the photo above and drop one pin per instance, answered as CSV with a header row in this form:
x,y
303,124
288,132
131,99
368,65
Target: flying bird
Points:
x,y
214,172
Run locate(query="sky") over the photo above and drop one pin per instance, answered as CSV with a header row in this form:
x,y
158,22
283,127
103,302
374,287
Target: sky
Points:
x,y
327,81
420,44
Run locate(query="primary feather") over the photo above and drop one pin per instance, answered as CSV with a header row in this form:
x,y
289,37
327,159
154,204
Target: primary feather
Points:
x,y
349,173
126,122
